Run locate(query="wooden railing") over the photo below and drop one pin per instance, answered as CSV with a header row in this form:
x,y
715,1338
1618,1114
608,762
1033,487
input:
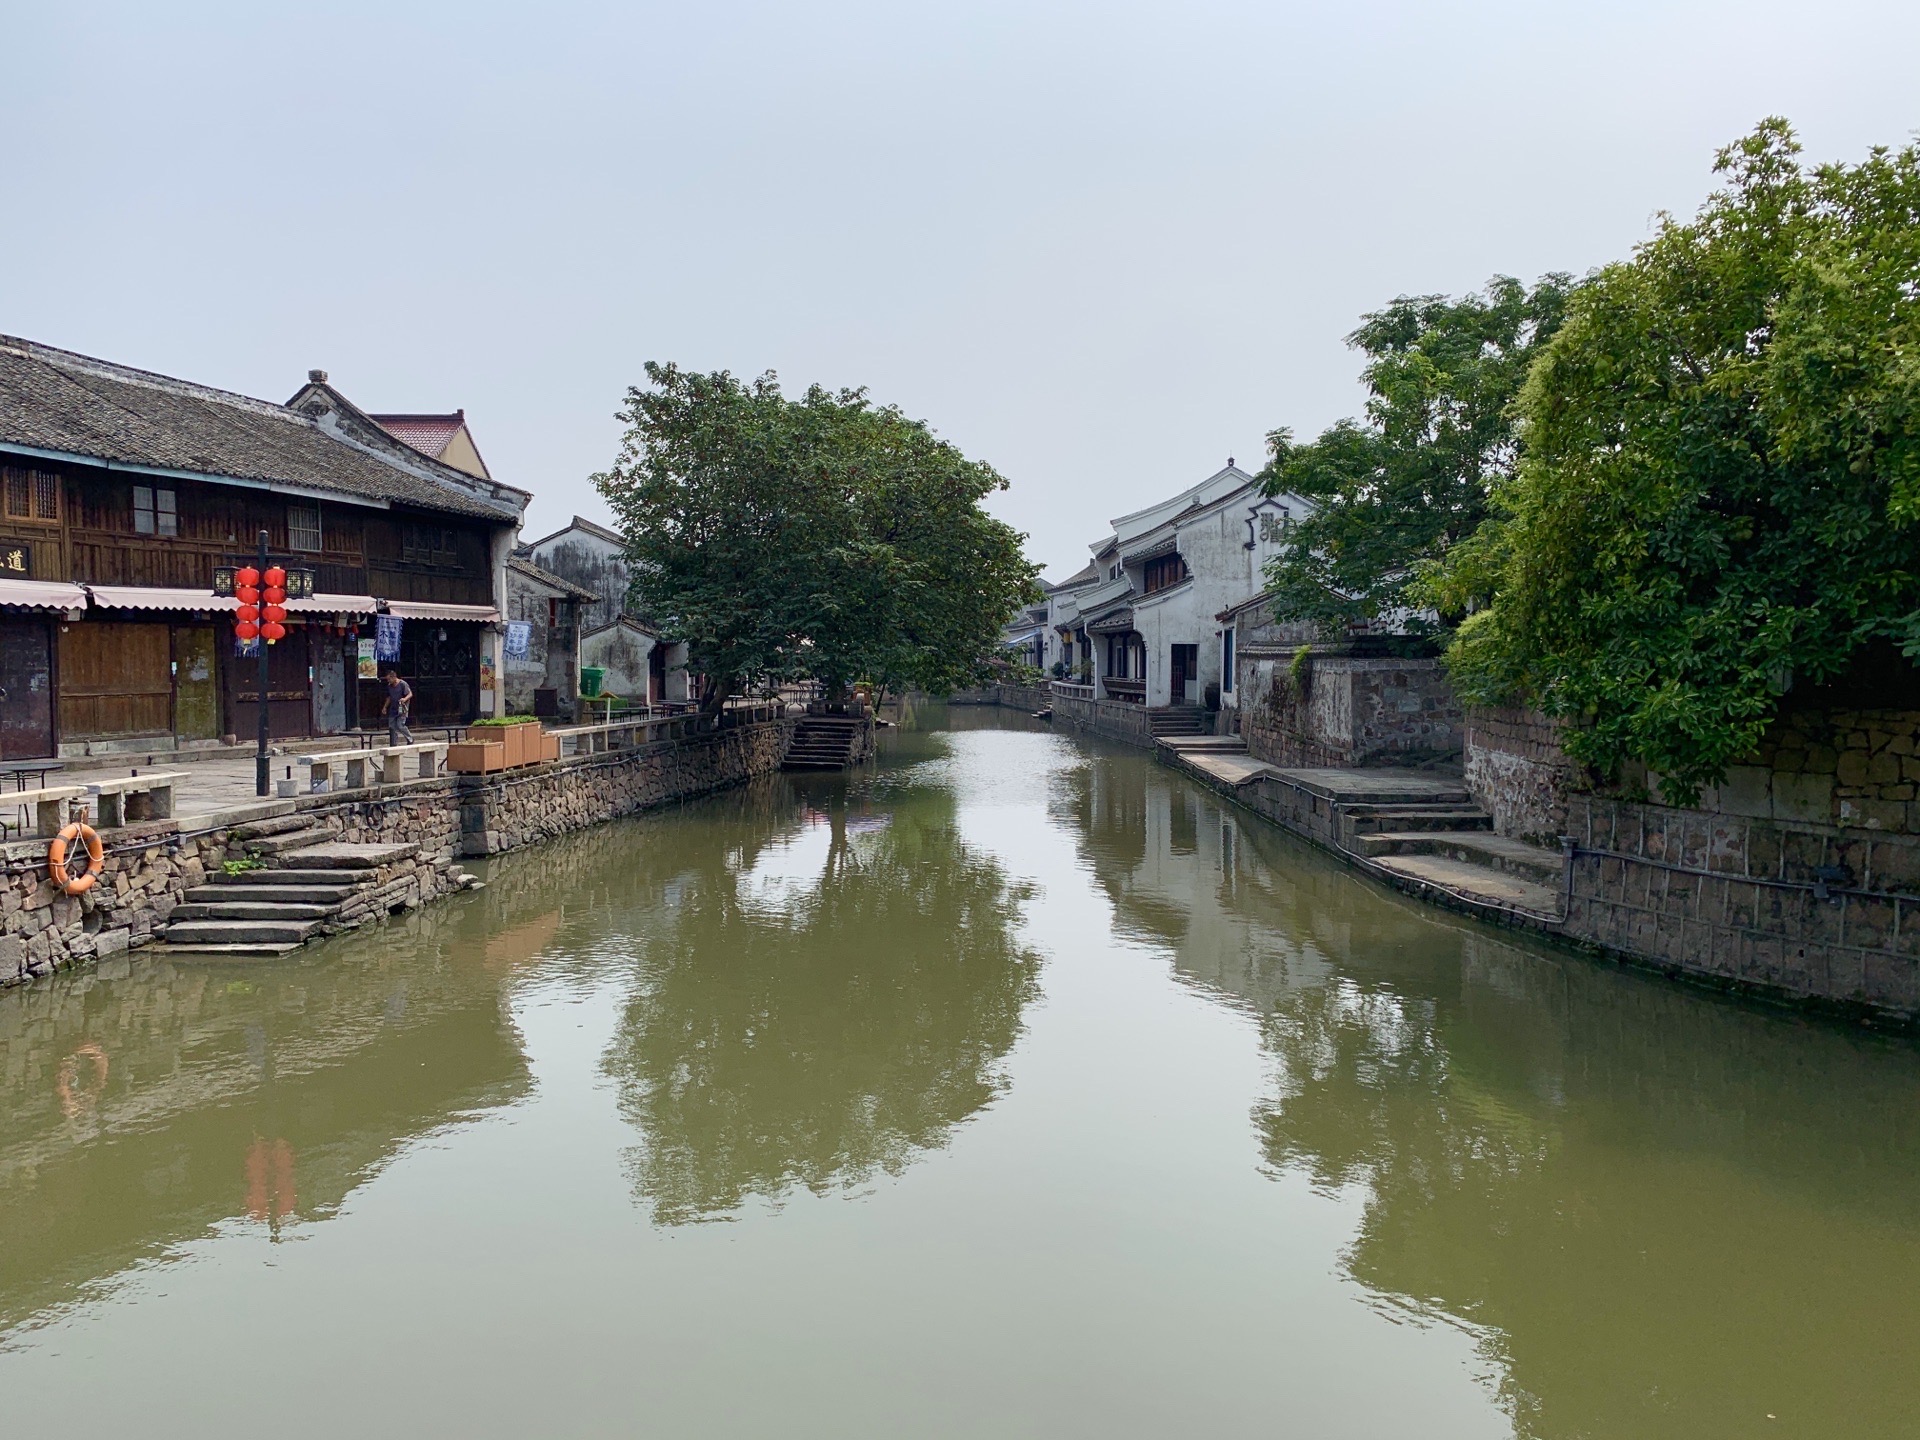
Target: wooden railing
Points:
x,y
1120,688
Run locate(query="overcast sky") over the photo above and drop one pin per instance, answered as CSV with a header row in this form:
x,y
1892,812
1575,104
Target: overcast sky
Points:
x,y
1101,246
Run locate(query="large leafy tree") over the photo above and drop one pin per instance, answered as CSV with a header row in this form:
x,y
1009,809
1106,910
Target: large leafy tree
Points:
x,y
823,537
1722,472
1404,484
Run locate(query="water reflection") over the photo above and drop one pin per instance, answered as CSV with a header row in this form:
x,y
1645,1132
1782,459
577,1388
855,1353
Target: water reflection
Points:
x,y
818,1008
1660,1214
144,1102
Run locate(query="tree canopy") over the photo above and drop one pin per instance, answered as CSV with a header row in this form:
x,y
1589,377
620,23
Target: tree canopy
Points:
x,y
1721,472
823,537
1410,480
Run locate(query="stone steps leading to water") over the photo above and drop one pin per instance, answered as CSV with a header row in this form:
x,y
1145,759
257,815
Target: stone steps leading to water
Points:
x,y
308,882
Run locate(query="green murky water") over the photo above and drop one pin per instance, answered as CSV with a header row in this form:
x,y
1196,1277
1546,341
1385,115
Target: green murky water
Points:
x,y
1014,1088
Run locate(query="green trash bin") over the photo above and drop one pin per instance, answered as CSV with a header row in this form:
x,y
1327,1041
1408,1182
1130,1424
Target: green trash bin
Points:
x,y
592,677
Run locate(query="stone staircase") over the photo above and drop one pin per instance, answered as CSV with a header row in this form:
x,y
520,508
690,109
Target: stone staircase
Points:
x,y
309,885
824,742
1410,825
1179,720
1448,842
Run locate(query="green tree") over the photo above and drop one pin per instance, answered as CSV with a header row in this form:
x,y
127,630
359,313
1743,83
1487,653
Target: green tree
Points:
x,y
1409,481
1722,472
823,537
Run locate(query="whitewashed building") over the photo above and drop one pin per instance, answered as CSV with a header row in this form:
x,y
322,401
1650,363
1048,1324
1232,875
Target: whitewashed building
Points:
x,y
1162,579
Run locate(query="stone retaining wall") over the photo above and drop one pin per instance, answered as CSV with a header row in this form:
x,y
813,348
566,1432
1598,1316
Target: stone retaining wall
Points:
x,y
1115,719
1030,698
149,867
1353,710
1798,877
1517,773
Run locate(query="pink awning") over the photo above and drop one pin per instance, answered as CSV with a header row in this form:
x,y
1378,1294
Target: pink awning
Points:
x,y
422,610
42,595
333,605
157,597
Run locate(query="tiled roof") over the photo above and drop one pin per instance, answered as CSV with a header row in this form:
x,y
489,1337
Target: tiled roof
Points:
x,y
55,400
547,577
429,434
584,525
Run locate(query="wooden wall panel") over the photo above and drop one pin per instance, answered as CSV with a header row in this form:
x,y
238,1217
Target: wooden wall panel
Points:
x,y
115,680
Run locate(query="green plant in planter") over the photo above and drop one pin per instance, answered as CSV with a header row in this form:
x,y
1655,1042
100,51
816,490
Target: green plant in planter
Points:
x,y
497,720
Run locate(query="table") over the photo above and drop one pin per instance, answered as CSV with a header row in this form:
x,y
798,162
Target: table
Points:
x,y
21,769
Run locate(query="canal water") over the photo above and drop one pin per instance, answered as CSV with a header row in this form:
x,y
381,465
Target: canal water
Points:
x,y
1014,1087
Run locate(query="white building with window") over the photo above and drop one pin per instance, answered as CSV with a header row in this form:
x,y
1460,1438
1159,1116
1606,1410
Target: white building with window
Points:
x,y
1162,578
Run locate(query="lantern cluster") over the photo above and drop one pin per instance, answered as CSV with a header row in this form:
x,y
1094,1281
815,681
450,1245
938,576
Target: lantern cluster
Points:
x,y
263,603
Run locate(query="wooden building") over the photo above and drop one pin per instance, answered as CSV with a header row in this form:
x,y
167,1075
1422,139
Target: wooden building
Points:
x,y
121,490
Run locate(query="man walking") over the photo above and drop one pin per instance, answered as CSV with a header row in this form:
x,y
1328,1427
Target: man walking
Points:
x,y
395,707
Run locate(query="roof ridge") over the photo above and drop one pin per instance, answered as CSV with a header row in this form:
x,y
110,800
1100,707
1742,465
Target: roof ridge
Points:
x,y
69,360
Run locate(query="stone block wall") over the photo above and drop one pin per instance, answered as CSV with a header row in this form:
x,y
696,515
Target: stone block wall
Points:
x,y
1114,719
150,867
1355,710
502,812
1516,772
1738,899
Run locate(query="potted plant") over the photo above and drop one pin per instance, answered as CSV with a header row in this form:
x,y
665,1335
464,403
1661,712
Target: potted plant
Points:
x,y
476,757
519,734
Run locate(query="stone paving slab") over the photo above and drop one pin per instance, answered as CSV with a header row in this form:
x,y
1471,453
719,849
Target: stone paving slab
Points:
x,y
338,856
1475,882
1234,769
1377,787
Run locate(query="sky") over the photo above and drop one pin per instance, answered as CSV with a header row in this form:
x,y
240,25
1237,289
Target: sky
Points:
x,y
1103,247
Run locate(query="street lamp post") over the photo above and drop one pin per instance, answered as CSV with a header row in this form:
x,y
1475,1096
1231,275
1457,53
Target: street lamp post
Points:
x,y
262,590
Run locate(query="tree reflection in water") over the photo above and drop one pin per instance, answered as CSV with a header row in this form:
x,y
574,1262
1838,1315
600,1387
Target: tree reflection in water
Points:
x,y
822,1016
1660,1213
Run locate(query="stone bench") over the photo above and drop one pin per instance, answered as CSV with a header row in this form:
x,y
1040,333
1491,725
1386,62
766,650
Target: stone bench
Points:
x,y
49,807
378,765
111,797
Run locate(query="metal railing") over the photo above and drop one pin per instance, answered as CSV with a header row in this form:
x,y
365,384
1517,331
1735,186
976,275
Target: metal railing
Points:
x,y
648,730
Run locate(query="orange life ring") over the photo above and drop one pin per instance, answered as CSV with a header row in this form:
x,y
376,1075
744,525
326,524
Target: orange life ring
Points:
x,y
57,859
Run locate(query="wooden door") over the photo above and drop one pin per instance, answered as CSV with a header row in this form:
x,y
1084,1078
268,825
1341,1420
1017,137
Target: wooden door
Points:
x,y
289,687
196,683
1186,668
657,673
329,686
115,680
26,690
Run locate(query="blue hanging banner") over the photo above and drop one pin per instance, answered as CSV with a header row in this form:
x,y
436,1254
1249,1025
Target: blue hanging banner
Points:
x,y
386,637
519,637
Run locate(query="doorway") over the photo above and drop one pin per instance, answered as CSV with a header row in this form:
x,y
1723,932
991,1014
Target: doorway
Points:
x,y
196,686
1186,674
26,690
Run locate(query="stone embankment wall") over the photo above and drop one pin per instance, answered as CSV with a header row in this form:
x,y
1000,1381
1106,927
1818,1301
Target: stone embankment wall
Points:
x,y
1030,698
1114,719
1517,772
1353,710
1798,877
151,866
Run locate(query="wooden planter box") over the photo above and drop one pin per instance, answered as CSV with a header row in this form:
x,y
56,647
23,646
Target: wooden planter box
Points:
x,y
476,757
549,747
521,742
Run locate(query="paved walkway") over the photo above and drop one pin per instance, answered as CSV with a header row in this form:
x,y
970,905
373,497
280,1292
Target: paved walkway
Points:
x,y
207,787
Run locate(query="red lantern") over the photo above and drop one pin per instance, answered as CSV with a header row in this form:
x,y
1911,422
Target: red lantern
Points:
x,y
246,614
245,629
246,575
275,594
273,614
275,576
273,631
247,594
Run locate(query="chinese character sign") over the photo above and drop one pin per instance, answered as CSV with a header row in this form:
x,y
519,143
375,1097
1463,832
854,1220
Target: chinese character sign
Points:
x,y
386,637
519,635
